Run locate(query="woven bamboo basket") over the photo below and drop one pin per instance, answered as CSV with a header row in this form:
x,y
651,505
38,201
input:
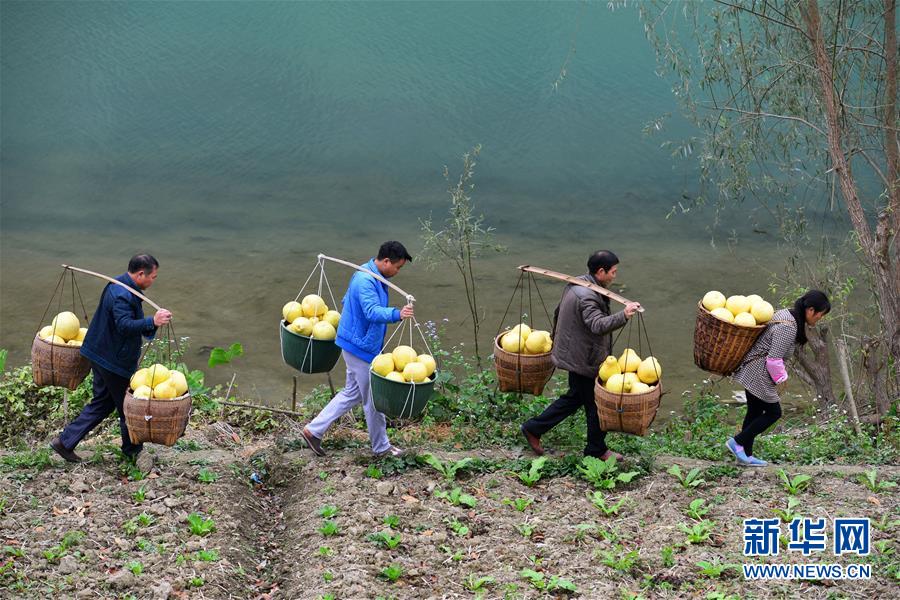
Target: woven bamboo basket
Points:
x,y
52,364
719,346
306,354
155,420
400,400
628,413
524,373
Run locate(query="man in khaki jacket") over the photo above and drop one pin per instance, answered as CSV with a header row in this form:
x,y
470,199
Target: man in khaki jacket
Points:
x,y
581,341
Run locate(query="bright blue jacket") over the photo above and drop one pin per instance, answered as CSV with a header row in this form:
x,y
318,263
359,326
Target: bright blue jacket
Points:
x,y
365,315
113,339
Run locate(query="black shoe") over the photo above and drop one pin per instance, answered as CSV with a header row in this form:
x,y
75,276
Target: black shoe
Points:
x,y
533,441
314,443
63,451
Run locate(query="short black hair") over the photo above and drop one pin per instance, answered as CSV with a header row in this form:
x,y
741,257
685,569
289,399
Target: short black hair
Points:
x,y
602,259
393,251
142,262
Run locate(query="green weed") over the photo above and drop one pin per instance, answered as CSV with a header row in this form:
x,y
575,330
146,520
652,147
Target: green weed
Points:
x,y
697,509
690,480
697,533
788,514
136,567
603,474
207,476
870,480
392,573
328,511
199,525
385,539
794,485
456,497
598,499
329,528
533,474
449,469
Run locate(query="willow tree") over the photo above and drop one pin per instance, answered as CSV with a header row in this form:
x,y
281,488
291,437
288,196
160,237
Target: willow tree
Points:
x,y
798,100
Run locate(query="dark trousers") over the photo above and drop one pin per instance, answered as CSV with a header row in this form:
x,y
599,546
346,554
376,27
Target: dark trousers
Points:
x,y
109,395
760,416
580,394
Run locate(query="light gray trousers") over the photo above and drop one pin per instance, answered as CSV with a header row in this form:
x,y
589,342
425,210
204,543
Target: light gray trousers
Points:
x,y
356,391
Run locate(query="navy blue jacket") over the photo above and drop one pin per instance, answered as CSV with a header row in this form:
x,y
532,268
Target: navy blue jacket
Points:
x,y
365,315
113,340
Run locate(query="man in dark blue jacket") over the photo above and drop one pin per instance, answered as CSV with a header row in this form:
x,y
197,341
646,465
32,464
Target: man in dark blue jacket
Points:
x,y
360,335
113,345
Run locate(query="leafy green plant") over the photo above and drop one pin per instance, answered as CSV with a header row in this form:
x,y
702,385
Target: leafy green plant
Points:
x,y
392,573
619,560
533,474
196,582
475,583
870,480
449,469
458,528
456,497
221,356
185,445
667,554
690,480
697,509
328,576
392,521
603,474
520,504
3,354
211,555
794,485
199,525
139,495
788,514
373,472
136,567
70,539
526,529
697,533
885,523
30,459
714,568
328,511
145,520
385,539
329,528
554,584
324,551
207,476
598,499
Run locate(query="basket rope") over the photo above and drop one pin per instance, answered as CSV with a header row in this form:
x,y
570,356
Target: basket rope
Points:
x,y
410,324
520,288
320,267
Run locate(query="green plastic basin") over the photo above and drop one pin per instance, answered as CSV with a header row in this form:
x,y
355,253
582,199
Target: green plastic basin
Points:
x,y
400,400
306,354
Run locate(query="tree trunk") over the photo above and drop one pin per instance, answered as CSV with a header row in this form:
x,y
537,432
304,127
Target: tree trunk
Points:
x,y
843,359
874,363
816,365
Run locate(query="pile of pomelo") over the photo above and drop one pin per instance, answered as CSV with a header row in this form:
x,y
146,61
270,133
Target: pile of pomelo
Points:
x,y
745,311
159,382
405,365
628,374
64,330
311,318
521,339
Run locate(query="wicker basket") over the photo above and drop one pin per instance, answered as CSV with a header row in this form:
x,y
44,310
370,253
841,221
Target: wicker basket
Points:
x,y
52,364
400,400
306,354
155,420
628,413
524,373
720,346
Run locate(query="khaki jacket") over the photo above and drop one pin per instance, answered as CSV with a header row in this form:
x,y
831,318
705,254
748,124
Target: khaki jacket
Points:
x,y
581,329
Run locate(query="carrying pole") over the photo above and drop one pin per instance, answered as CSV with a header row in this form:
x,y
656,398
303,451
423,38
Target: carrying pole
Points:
x,y
119,283
410,299
576,281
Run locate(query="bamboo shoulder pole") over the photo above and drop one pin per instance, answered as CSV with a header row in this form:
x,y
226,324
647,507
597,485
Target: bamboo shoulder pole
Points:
x,y
409,297
576,281
119,283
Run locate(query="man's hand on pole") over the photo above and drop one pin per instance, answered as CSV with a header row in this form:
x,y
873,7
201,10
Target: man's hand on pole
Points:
x,y
407,311
631,308
162,317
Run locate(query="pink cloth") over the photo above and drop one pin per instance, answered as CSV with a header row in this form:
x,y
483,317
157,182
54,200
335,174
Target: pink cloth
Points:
x,y
775,367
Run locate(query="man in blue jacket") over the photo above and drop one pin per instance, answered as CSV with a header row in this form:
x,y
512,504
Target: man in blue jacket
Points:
x,y
113,345
360,335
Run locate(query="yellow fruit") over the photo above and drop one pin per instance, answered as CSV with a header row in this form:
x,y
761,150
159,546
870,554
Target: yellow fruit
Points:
x,y
179,381
415,372
395,376
723,314
762,311
143,392
403,355
650,371
45,332
301,325
522,329
609,367
713,300
429,362
291,311
156,374
165,390
630,378
139,379
629,361
737,304
744,319
75,343
81,333
55,339
66,325
383,364
314,306
754,298
333,317
512,342
538,342
323,330
639,388
617,384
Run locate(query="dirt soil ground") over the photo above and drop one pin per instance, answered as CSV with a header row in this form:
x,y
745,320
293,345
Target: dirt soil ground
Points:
x,y
271,540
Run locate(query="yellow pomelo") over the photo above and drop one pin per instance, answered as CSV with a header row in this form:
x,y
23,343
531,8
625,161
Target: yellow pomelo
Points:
x,y
156,374
538,342
314,306
383,364
415,372
639,388
81,333
754,298
512,342
66,325
291,311
608,368
737,304
143,392
323,330
55,339
76,343
403,355
45,332
744,319
179,381
616,383
395,376
165,390
333,317
650,371
762,311
630,378
522,329
629,361
139,379
723,314
301,325
713,300
429,362
314,320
